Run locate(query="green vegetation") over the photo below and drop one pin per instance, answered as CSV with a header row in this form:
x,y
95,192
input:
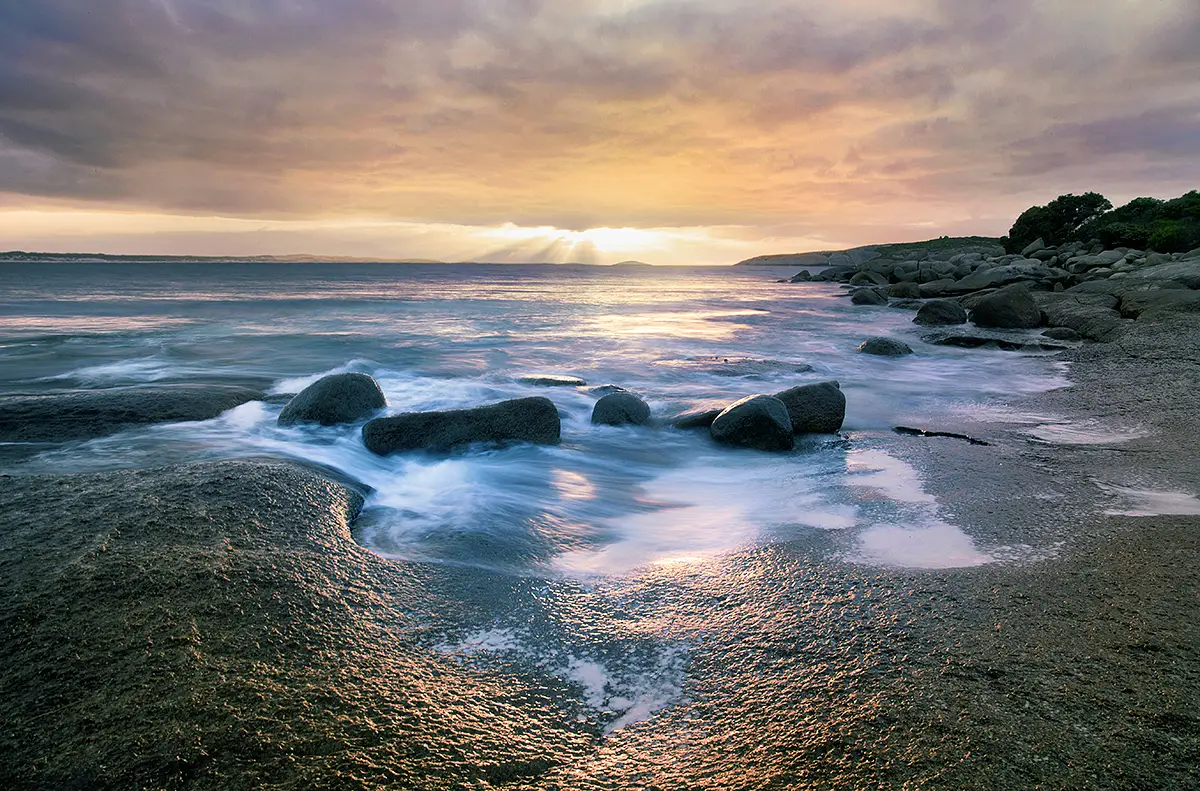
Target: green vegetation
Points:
x,y
1165,226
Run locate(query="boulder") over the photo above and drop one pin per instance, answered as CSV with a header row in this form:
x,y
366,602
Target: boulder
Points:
x,y
884,347
868,296
941,311
621,409
520,420
551,380
998,276
815,409
340,398
86,414
868,279
1033,247
904,290
935,288
757,421
803,276
1009,308
1087,315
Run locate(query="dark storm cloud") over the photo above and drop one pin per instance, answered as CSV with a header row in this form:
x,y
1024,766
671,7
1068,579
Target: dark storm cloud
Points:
x,y
595,112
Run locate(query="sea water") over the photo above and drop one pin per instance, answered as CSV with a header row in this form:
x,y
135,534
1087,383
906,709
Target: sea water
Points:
x,y
607,500
617,563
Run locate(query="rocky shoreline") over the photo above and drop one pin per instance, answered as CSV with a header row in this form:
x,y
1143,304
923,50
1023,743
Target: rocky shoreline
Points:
x,y
1079,291
217,626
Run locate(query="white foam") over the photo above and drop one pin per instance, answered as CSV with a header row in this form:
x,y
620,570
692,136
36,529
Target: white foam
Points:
x,y
1086,433
627,696
930,545
139,370
1151,502
897,480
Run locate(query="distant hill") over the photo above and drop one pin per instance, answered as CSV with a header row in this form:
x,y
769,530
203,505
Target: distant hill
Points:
x,y
631,264
84,258
868,252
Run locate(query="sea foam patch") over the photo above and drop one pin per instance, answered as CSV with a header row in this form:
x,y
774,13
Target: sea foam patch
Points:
x,y
1151,502
621,692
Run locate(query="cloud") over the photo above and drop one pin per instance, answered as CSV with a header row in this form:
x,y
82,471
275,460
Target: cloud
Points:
x,y
594,113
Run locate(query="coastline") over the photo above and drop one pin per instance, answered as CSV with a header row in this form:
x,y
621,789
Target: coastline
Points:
x,y
223,630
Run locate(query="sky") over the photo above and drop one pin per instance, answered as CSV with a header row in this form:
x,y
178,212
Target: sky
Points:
x,y
668,131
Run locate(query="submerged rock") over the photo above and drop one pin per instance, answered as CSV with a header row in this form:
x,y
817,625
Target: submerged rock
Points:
x,y
620,409
815,409
941,311
86,414
552,380
1012,307
884,347
340,398
519,420
1006,343
757,421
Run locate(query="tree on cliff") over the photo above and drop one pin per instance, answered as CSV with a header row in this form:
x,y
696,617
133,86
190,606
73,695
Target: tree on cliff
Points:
x,y
1057,221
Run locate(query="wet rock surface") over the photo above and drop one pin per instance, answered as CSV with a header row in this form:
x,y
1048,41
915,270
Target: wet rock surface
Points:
x,y
885,347
340,398
940,311
758,421
815,409
621,409
1011,307
519,420
85,414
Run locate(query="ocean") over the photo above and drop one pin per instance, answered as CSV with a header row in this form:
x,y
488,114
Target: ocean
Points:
x,y
600,537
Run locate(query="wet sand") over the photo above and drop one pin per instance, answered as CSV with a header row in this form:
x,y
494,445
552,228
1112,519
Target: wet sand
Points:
x,y
216,627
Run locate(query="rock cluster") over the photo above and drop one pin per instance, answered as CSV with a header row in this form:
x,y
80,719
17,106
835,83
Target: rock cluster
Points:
x,y
1079,287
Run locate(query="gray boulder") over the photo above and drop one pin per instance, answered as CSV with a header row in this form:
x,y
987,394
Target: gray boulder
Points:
x,y
803,276
935,288
757,421
815,409
520,420
621,409
340,398
1033,247
868,279
941,311
904,290
1087,315
86,414
1009,308
1016,272
868,296
884,347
